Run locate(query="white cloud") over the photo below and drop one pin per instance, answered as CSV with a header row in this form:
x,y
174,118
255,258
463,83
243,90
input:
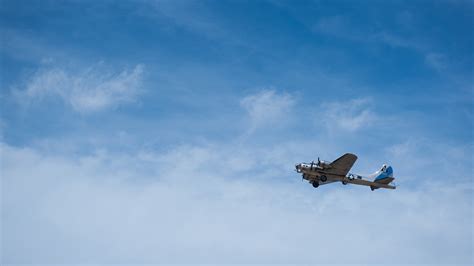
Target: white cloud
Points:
x,y
348,116
203,205
267,108
93,89
421,158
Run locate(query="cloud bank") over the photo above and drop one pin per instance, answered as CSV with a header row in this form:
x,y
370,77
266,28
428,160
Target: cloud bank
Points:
x,y
231,201
214,204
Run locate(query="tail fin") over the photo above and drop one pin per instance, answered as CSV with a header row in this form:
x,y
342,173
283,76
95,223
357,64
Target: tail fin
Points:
x,y
384,175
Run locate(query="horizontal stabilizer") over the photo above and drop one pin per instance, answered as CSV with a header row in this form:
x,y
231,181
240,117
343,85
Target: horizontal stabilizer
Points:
x,y
386,180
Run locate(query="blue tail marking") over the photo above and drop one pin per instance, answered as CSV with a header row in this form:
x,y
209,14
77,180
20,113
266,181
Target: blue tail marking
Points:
x,y
386,171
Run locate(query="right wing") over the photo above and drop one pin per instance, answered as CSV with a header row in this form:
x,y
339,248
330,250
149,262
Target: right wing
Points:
x,y
343,164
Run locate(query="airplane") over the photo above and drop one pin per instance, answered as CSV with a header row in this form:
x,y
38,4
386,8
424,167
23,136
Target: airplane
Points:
x,y
322,173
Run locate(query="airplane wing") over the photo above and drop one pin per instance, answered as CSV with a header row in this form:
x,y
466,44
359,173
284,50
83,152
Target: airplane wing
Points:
x,y
343,164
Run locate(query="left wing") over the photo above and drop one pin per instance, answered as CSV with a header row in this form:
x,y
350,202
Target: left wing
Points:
x,y
343,164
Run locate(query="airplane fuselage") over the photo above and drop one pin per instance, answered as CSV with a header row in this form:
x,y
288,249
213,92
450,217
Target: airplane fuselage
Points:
x,y
320,174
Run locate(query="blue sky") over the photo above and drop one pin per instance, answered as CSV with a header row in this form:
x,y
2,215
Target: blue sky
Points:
x,y
136,131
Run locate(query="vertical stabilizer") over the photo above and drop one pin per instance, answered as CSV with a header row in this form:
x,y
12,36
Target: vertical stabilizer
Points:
x,y
384,175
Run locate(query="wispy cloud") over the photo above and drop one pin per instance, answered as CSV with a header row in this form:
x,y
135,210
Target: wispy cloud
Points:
x,y
348,115
340,27
437,61
196,17
267,108
337,26
422,158
87,90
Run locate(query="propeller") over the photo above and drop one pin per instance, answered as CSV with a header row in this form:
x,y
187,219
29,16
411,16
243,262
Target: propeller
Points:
x,y
319,162
312,163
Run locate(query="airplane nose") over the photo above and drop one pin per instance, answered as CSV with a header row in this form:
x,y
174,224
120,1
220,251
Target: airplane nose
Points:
x,y
297,167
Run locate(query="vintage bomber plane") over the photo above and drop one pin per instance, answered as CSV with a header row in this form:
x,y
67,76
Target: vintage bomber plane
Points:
x,y
322,173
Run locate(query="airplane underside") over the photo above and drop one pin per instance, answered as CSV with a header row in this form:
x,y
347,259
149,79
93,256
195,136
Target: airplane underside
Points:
x,y
317,180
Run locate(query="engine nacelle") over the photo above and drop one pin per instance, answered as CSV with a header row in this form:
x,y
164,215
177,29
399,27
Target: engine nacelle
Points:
x,y
324,165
